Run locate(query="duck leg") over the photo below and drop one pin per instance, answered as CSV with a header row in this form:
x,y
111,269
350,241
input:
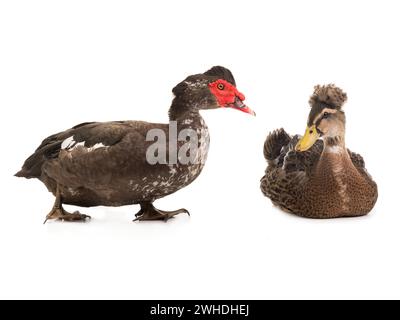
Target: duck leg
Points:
x,y
58,212
149,212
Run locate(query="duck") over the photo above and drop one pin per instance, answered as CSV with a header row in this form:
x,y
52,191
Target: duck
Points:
x,y
122,163
315,175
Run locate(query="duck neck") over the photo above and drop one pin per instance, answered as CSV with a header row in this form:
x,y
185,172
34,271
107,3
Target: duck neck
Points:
x,y
185,113
334,145
335,155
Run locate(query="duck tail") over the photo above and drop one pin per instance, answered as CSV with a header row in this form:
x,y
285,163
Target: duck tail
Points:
x,y
20,174
274,143
23,173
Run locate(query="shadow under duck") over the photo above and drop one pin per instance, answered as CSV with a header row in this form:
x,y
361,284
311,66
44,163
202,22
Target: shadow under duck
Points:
x,y
317,178
106,164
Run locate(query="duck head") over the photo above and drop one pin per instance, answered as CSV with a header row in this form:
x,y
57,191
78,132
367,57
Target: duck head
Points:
x,y
326,119
215,88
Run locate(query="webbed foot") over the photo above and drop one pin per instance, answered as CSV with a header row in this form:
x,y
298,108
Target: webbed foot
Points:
x,y
148,212
61,214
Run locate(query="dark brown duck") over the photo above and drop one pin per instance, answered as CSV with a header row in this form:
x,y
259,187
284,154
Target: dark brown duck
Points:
x,y
107,164
318,178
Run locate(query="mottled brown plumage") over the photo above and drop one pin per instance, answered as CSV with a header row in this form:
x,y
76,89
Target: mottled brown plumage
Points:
x,y
324,180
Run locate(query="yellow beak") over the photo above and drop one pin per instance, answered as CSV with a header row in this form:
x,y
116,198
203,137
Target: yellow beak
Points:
x,y
308,139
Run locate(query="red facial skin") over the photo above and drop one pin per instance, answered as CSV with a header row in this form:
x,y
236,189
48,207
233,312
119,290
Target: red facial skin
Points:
x,y
228,96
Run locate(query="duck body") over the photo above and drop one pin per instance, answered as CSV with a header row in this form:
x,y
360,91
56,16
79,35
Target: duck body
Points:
x,y
318,183
134,162
315,175
104,164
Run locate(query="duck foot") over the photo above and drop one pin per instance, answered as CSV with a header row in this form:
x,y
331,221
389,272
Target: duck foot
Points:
x,y
150,213
59,213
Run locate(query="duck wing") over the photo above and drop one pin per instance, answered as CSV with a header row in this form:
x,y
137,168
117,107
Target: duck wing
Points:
x,y
286,168
357,160
279,150
48,149
89,150
359,163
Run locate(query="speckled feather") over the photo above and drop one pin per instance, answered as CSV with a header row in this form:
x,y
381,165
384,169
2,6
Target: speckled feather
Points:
x,y
113,175
298,182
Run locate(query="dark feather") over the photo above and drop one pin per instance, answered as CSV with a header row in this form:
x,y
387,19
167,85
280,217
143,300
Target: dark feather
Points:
x,y
221,73
274,143
90,132
279,150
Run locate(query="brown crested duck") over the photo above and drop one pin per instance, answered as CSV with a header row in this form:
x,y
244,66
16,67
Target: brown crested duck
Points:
x,y
317,178
112,164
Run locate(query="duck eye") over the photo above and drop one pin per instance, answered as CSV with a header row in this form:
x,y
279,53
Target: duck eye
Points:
x,y
326,115
220,86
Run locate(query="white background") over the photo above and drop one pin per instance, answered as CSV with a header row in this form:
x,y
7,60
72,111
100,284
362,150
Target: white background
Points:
x,y
66,62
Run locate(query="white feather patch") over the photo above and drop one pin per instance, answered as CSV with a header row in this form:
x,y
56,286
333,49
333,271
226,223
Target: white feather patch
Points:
x,y
97,146
334,149
68,143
